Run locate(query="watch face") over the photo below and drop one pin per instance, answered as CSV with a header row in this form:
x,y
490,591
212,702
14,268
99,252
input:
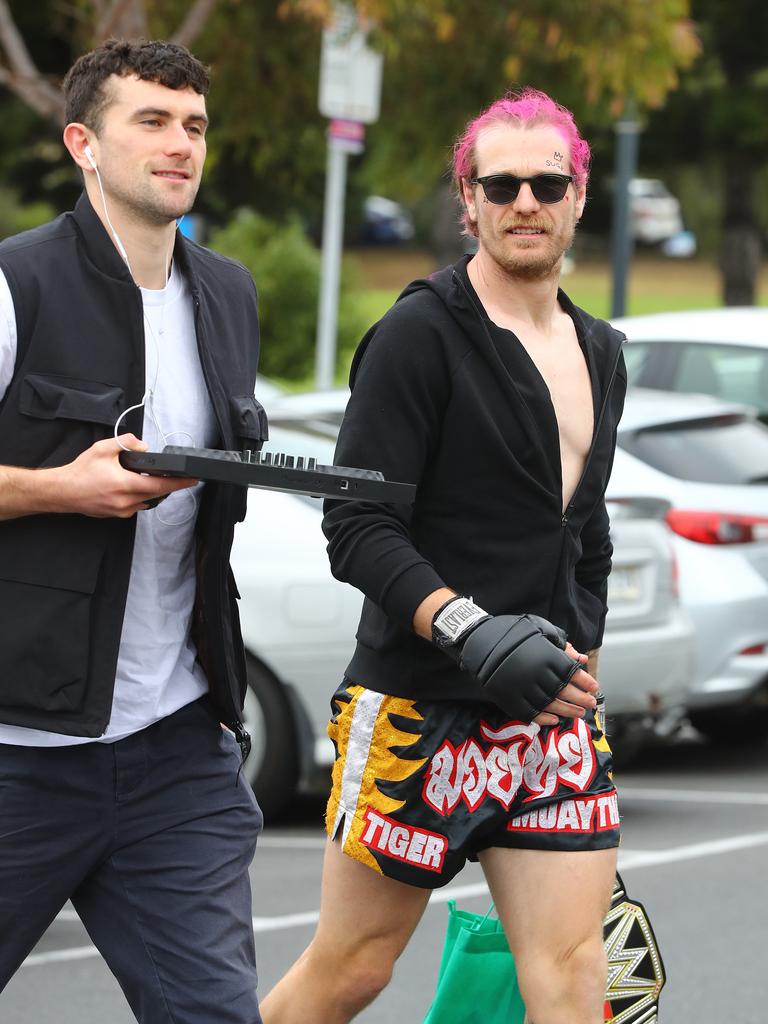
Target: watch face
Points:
x,y
454,620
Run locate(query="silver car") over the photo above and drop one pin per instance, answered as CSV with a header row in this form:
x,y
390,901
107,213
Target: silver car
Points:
x,y
709,460
299,623
720,352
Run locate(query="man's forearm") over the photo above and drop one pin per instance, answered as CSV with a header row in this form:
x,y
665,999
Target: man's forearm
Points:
x,y
27,492
422,617
593,658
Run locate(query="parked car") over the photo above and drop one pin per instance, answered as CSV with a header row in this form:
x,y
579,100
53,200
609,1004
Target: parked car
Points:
x,y
655,214
709,460
299,623
317,411
644,701
385,222
720,352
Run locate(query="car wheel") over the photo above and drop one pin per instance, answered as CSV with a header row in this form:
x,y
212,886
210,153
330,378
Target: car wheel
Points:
x,y
728,726
272,767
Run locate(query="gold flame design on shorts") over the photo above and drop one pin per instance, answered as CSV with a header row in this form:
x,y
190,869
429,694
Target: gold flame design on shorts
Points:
x,y
381,764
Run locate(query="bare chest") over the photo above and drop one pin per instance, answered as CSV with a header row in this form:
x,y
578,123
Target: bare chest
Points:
x,y
559,359
563,368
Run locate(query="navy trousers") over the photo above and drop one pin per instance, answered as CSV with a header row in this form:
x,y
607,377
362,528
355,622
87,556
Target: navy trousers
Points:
x,y
151,838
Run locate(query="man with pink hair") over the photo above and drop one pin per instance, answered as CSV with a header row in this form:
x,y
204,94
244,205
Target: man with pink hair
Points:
x,y
467,727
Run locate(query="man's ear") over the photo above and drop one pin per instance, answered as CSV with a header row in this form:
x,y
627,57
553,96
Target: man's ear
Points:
x,y
76,137
468,195
581,201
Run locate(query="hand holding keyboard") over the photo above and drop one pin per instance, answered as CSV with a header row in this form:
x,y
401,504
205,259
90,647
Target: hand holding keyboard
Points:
x,y
272,471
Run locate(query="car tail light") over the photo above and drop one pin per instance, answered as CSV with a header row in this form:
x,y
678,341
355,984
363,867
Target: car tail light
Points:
x,y
754,649
717,527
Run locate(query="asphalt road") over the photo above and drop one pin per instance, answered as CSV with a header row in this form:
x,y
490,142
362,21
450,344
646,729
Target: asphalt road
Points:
x,y
695,852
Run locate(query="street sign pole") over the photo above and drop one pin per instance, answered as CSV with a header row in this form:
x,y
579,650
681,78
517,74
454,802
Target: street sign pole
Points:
x,y
350,88
330,274
627,130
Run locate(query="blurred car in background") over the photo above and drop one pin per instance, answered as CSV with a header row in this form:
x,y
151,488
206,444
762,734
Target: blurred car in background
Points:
x,y
318,411
298,627
299,623
721,352
647,658
709,460
385,222
267,391
655,214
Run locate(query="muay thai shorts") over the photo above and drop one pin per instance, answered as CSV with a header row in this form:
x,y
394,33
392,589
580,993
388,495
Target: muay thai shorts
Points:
x,y
419,787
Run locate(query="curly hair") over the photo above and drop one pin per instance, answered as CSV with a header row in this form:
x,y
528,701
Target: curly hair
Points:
x,y
85,96
529,108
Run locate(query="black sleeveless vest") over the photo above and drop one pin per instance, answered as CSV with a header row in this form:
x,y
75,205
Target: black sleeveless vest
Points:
x,y
80,363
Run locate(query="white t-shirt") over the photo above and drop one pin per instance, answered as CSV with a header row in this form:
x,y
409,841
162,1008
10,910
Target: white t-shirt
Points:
x,y
157,668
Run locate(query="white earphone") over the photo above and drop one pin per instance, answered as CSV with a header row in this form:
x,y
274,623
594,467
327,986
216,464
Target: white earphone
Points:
x,y
120,247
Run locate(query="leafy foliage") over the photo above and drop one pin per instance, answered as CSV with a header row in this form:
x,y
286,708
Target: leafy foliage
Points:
x,y
286,268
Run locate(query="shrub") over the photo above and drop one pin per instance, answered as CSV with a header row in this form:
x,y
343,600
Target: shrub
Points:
x,y
286,268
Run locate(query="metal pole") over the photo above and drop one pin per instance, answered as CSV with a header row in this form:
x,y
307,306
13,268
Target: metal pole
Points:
x,y
330,273
621,237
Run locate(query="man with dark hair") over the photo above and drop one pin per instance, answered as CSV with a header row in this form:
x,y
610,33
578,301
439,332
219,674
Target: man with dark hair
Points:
x,y
120,788
467,726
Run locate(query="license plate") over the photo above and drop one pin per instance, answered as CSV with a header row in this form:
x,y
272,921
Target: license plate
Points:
x,y
624,584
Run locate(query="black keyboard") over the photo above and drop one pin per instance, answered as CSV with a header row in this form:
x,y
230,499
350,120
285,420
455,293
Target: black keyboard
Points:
x,y
272,471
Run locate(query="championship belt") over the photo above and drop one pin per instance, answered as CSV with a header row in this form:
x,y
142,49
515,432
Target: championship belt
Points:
x,y
635,969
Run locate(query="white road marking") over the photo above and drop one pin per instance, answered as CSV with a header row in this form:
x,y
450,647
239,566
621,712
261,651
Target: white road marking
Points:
x,y
705,796
713,847
292,842
628,860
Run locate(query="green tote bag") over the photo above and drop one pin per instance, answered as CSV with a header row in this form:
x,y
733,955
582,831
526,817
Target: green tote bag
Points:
x,y
477,981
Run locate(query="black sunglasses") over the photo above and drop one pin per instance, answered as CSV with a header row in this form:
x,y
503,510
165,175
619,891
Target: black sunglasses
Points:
x,y
504,188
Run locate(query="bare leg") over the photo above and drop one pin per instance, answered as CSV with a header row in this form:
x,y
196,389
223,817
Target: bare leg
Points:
x,y
365,923
552,906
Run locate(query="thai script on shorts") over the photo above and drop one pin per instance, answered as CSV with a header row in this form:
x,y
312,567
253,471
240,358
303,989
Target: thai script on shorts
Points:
x,y
515,758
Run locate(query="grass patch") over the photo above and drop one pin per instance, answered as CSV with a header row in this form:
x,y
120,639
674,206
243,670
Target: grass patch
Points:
x,y
655,284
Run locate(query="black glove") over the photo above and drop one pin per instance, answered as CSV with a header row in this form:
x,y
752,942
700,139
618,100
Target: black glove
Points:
x,y
519,660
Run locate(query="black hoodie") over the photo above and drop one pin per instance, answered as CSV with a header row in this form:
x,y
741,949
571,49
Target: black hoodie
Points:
x,y
444,398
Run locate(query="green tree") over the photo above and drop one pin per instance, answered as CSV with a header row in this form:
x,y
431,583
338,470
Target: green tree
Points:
x,y
286,268
446,59
719,114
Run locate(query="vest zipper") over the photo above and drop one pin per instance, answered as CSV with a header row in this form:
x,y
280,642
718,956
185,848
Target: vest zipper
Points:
x,y
235,723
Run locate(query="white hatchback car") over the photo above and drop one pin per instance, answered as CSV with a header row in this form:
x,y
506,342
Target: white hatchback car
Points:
x,y
709,460
720,352
299,627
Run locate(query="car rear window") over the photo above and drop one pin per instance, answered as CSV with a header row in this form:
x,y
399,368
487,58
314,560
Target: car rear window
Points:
x,y
734,372
726,450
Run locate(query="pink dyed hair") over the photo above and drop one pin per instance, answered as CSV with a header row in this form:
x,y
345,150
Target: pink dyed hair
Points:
x,y
529,108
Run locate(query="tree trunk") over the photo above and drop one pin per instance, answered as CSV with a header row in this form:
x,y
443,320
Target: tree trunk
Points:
x,y
741,248
446,241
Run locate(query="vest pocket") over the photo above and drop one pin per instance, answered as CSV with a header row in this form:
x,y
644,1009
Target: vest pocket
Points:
x,y
249,421
65,416
251,428
45,635
50,397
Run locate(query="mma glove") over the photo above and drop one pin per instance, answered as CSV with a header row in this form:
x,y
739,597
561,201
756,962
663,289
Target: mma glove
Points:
x,y
519,660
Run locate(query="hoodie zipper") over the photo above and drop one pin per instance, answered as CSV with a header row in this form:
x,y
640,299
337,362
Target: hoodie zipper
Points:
x,y
604,406
571,503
